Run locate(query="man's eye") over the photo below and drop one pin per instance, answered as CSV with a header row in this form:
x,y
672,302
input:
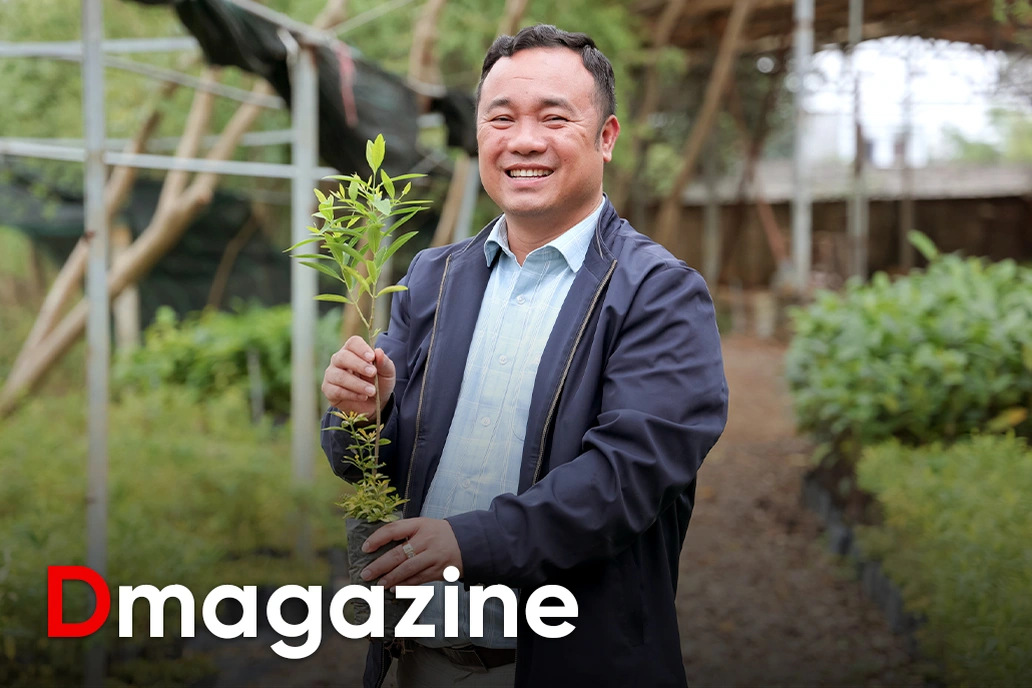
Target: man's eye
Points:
x,y
555,118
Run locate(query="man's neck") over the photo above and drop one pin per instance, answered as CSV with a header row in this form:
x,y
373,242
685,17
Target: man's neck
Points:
x,y
527,235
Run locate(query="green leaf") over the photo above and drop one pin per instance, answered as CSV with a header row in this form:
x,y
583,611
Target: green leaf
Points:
x,y
326,270
923,244
353,189
391,290
352,252
382,205
388,251
336,298
374,152
387,183
404,218
303,243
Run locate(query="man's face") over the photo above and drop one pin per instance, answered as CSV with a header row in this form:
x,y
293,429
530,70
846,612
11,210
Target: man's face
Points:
x,y
541,156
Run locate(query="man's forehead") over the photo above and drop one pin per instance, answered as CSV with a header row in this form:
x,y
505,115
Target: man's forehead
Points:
x,y
558,70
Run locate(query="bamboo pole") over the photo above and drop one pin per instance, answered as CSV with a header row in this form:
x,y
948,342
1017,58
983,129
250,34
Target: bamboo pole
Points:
x,y
161,234
649,101
671,207
423,70
513,16
452,202
752,155
70,276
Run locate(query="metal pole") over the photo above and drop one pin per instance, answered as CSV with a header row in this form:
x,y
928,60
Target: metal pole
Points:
x,y
98,341
857,220
464,223
711,219
304,285
906,214
802,217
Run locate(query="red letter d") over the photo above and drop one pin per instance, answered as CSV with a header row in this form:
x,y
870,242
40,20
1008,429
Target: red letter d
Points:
x,y
56,576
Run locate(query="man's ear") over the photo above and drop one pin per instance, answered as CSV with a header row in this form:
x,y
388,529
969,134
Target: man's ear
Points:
x,y
608,136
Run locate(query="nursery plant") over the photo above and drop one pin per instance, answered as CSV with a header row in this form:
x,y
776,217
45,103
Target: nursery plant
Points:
x,y
359,220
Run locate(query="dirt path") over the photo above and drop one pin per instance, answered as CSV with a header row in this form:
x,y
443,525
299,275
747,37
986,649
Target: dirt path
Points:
x,y
759,601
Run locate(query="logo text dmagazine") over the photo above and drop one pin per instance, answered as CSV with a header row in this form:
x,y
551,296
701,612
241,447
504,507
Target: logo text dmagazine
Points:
x,y
311,627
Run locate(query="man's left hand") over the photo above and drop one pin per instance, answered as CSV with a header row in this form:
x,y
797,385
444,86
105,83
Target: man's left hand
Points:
x,y
433,543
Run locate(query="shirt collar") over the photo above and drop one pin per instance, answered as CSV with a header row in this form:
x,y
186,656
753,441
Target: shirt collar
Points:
x,y
572,244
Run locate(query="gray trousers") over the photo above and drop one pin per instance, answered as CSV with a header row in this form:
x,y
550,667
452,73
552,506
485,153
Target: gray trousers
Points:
x,y
424,668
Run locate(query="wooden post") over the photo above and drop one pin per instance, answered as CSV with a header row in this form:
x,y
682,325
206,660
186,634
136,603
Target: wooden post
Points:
x,y
70,276
423,70
671,208
161,234
649,100
711,219
857,219
510,23
126,306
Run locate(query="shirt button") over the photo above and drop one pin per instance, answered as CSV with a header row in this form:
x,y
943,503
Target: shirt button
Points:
x,y
521,300
485,421
503,359
465,484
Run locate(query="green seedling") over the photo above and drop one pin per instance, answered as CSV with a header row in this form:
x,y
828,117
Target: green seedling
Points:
x,y
359,221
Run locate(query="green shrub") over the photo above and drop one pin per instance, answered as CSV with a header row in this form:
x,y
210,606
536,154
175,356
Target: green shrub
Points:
x,y
956,537
937,354
198,496
207,353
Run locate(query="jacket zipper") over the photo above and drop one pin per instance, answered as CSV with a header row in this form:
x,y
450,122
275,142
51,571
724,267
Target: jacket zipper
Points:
x,y
422,389
383,663
566,370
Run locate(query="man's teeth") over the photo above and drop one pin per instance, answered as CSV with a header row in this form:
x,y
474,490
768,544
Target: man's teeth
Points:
x,y
529,173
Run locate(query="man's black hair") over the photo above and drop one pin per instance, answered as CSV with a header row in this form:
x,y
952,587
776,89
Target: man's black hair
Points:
x,y
548,36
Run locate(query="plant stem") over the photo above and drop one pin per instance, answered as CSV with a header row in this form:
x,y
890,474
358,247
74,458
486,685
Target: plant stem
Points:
x,y
376,381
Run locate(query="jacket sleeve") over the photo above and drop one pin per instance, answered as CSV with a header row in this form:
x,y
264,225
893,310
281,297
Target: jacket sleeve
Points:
x,y
664,405
336,444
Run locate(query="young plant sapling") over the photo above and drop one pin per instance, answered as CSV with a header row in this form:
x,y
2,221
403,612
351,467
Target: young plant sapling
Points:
x,y
359,222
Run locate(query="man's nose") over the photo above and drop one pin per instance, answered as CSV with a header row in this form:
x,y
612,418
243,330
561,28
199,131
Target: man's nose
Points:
x,y
526,139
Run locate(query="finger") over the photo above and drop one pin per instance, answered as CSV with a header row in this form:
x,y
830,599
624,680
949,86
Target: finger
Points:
x,y
384,364
338,394
352,363
420,567
429,574
360,347
399,530
384,564
349,381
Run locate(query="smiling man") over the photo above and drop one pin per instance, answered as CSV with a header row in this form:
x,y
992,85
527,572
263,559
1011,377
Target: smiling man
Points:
x,y
552,386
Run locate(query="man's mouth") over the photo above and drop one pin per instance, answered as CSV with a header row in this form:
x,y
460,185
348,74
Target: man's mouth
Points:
x,y
524,174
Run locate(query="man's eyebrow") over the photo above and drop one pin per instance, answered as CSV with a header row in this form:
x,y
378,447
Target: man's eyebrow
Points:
x,y
499,102
554,101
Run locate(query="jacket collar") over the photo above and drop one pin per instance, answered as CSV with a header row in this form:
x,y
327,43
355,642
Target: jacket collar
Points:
x,y
572,244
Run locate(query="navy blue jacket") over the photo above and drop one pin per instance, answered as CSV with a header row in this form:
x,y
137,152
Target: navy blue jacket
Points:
x,y
630,396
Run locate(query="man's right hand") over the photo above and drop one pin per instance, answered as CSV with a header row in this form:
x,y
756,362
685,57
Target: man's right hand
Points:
x,y
348,381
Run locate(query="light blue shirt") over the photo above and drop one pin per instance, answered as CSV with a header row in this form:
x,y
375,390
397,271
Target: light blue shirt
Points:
x,y
484,449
